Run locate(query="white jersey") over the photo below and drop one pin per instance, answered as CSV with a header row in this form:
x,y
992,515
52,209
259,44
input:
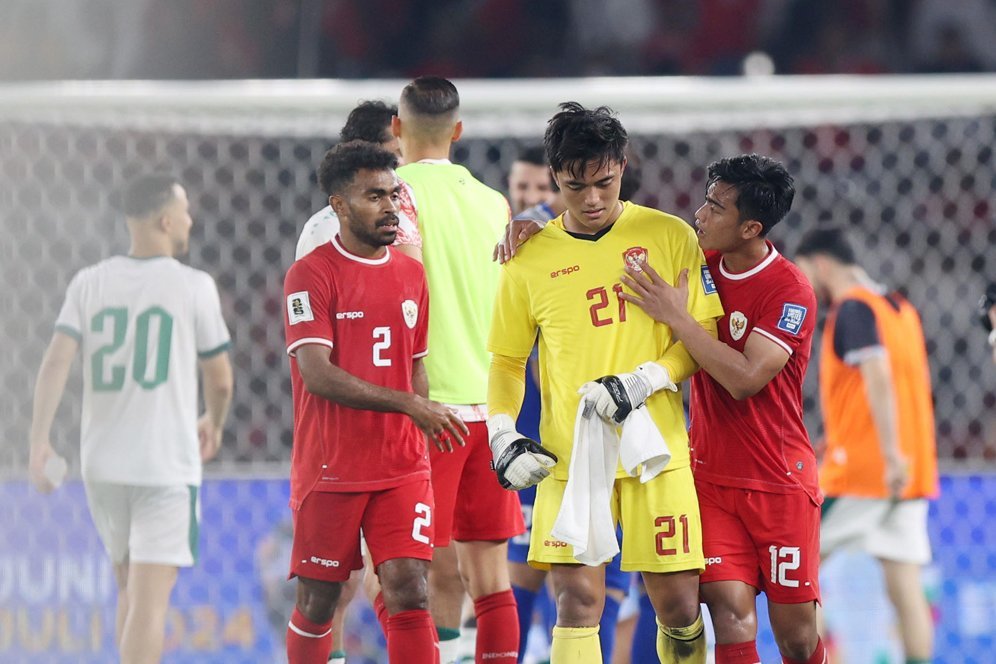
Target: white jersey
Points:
x,y
324,225
142,324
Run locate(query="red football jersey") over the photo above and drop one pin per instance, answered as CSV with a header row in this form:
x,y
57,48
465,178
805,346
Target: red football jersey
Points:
x,y
373,316
759,443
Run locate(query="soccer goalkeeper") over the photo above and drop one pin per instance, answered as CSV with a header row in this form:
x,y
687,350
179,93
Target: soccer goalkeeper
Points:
x,y
565,286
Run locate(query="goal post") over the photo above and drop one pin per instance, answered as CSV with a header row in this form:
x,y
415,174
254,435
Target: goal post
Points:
x,y
906,162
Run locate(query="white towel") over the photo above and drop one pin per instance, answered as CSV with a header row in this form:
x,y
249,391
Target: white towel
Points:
x,y
643,444
585,518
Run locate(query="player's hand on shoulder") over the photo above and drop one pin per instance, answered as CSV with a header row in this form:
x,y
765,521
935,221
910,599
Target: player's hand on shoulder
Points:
x,y
209,437
518,461
517,231
46,468
440,424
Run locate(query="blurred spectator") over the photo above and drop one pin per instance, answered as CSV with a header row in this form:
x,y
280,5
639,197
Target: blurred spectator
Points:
x,y
946,33
605,35
950,53
197,39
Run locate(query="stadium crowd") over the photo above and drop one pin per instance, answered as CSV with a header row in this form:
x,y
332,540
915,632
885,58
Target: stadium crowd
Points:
x,y
196,39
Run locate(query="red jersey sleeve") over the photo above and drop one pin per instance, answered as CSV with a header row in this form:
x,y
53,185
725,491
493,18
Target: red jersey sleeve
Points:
x,y
308,299
421,346
788,316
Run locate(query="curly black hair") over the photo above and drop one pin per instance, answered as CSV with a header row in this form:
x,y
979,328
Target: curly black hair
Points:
x,y
577,136
342,163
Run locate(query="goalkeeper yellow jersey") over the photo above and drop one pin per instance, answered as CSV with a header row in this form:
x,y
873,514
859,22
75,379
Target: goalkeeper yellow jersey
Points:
x,y
566,289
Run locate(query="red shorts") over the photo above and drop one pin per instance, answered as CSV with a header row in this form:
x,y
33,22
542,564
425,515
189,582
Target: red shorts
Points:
x,y
396,523
470,504
770,541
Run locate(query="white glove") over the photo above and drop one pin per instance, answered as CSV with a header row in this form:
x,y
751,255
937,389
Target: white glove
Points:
x,y
614,397
518,461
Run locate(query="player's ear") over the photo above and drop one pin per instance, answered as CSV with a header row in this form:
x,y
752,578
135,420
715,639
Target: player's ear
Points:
x,y
751,229
553,176
396,126
457,131
337,204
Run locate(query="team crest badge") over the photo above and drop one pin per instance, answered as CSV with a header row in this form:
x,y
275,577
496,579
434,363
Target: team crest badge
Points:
x,y
410,311
738,325
635,257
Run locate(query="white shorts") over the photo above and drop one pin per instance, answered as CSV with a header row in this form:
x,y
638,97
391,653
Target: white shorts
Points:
x,y
878,526
146,524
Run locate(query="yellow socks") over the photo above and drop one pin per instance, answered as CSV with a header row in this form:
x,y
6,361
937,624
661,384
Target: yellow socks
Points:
x,y
684,645
577,645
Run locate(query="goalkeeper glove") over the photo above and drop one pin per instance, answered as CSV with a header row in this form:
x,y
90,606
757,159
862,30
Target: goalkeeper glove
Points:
x,y
615,397
518,461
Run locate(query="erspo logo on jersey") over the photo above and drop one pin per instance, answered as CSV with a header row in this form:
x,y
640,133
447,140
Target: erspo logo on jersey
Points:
x,y
324,562
348,315
564,271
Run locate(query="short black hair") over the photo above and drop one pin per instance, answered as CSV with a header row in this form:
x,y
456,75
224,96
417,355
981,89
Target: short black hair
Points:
x,y
430,95
831,241
765,190
369,121
577,136
533,154
146,194
342,163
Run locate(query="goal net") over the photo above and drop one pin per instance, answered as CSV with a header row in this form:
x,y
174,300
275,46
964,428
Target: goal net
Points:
x,y
907,163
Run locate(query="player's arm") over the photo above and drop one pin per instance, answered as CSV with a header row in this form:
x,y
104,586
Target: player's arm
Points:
x,y
49,386
678,361
857,344
742,374
517,231
877,377
324,379
409,239
420,385
216,372
519,462
987,315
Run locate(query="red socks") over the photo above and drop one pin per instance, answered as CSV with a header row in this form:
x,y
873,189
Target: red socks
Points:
x,y
737,653
381,611
411,638
308,642
819,656
497,629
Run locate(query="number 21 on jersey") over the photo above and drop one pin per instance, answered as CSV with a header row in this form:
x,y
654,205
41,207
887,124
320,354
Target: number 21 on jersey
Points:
x,y
599,298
